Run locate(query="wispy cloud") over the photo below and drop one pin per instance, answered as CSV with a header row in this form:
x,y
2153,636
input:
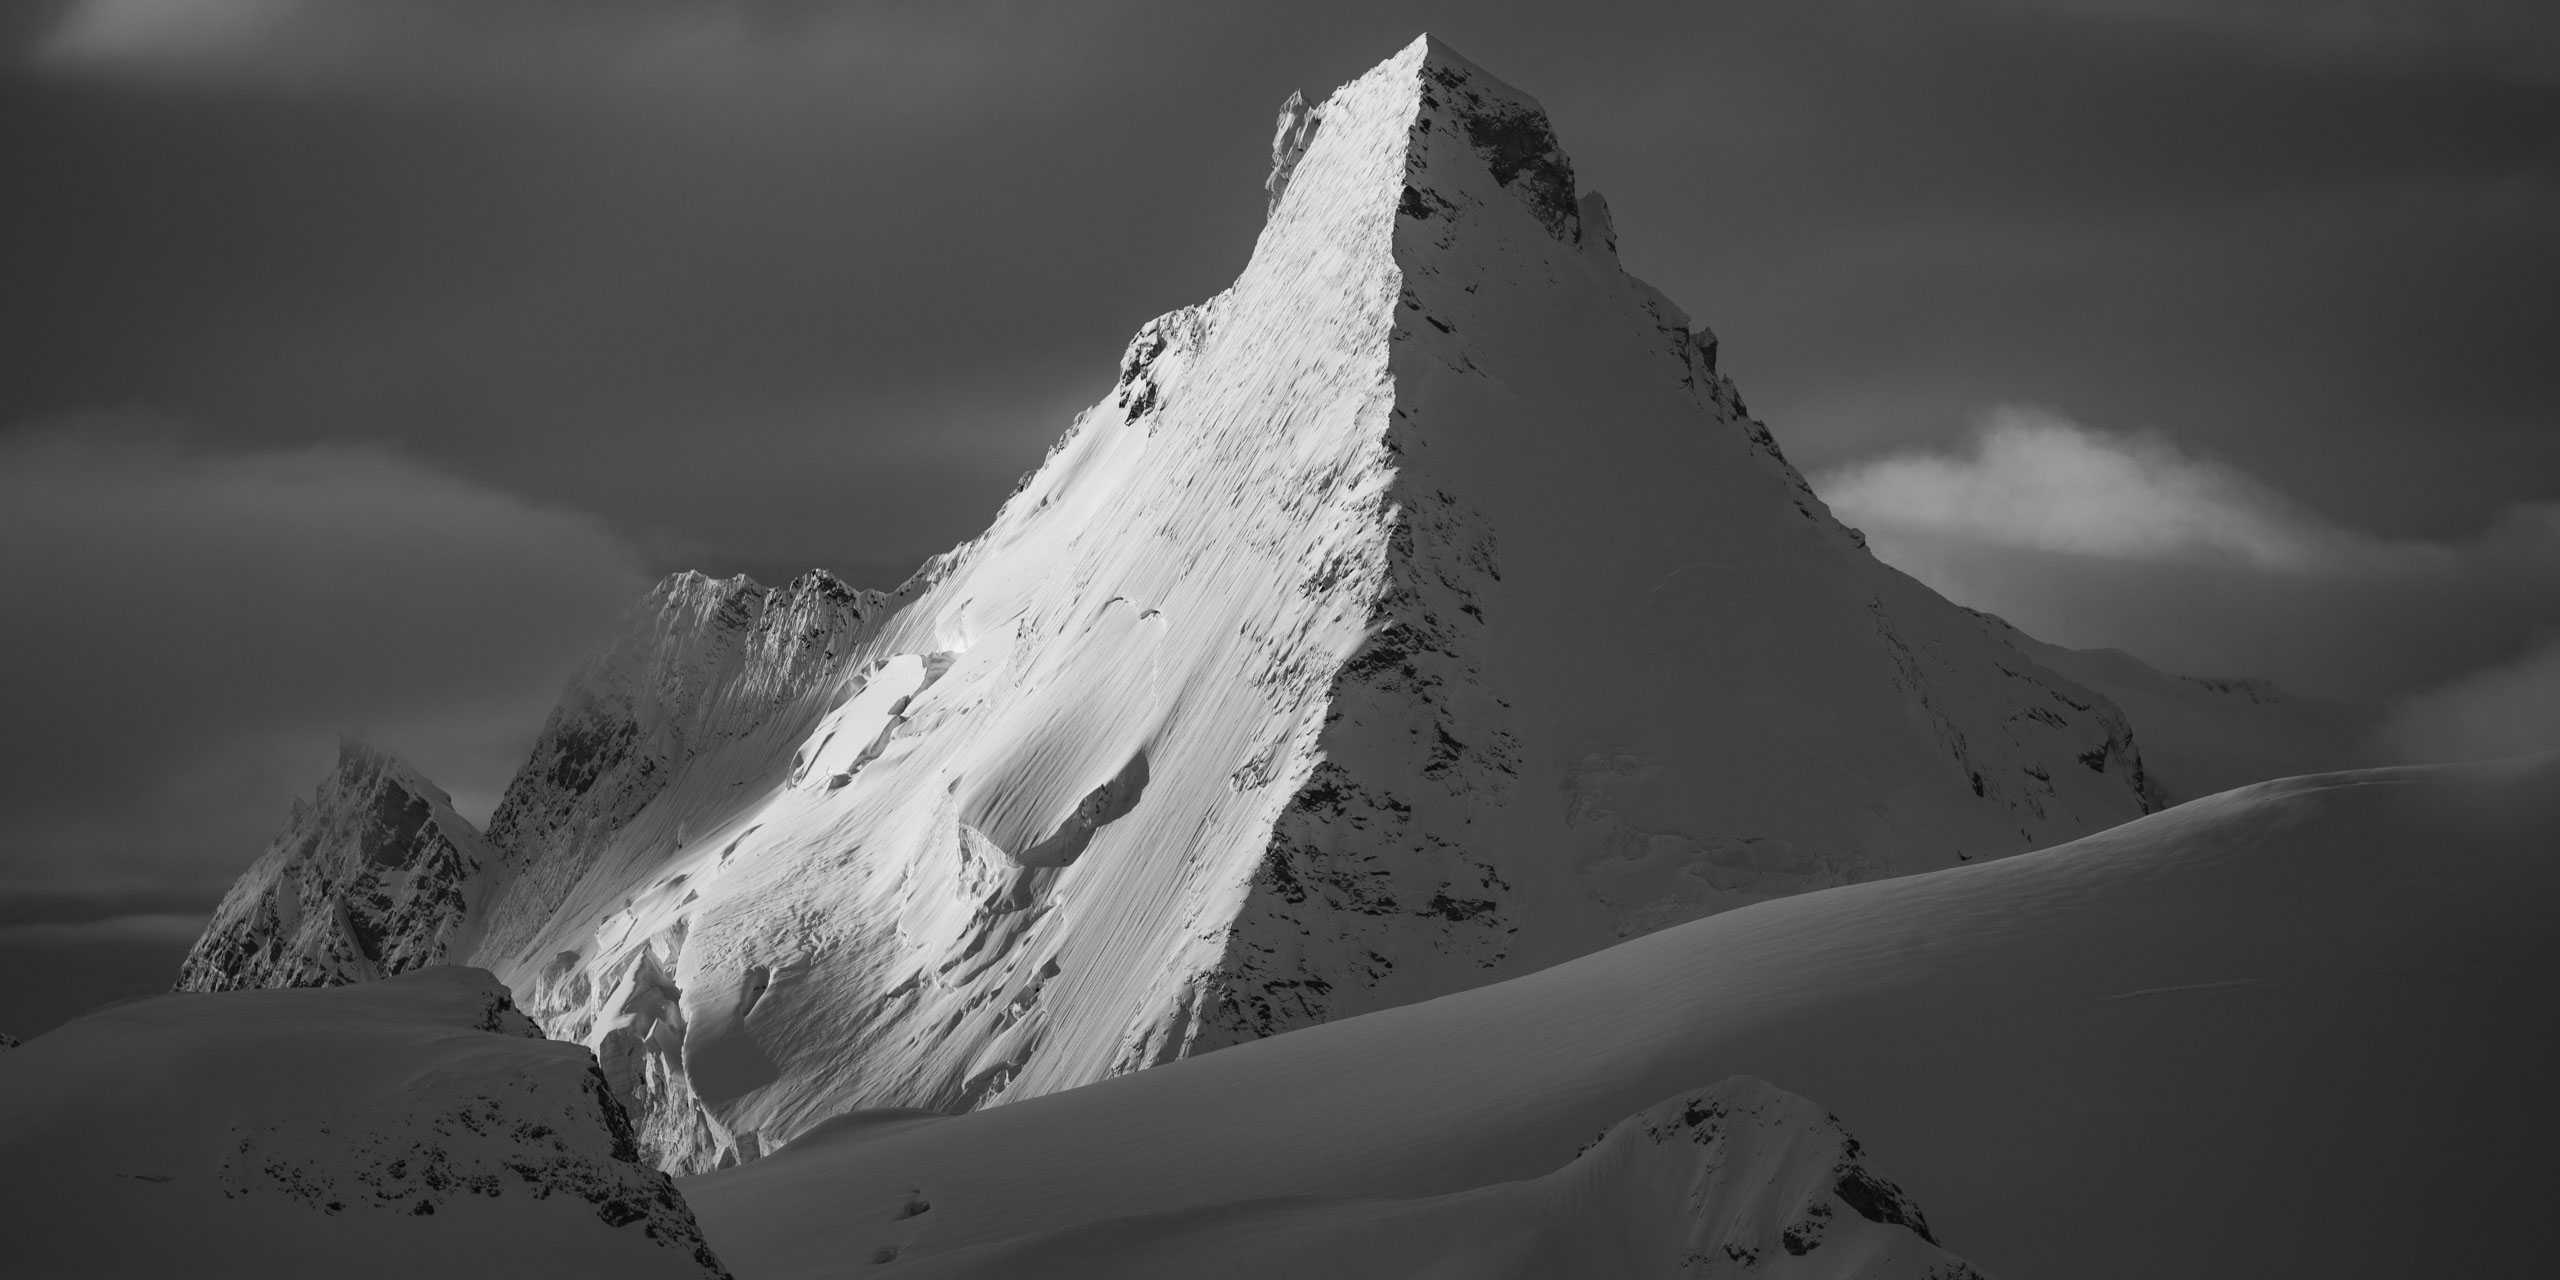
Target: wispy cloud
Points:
x,y
2036,479
680,54
2100,538
2508,710
2521,37
315,43
112,930
204,620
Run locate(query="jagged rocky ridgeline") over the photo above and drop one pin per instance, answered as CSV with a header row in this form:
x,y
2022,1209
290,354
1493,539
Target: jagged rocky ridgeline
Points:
x,y
419,1126
1423,609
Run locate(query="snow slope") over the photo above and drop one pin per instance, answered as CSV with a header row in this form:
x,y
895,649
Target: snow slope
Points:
x,y
707,678
2295,1029
417,1126
1422,609
373,876
1740,1179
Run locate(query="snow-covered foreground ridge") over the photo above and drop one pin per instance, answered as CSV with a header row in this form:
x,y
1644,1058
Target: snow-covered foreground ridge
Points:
x,y
1740,1179
2295,1029
412,1127
1421,610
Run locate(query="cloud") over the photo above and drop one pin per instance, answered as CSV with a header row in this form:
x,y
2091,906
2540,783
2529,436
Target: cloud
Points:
x,y
199,623
325,43
2103,539
682,55
2508,710
181,930
2037,480
48,902
2519,37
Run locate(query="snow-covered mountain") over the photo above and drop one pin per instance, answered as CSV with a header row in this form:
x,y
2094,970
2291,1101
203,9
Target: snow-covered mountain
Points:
x,y
373,876
417,1126
1421,610
2287,1030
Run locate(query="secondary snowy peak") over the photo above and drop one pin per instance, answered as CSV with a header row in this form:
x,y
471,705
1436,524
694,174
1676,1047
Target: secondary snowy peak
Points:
x,y
413,1127
1421,609
374,875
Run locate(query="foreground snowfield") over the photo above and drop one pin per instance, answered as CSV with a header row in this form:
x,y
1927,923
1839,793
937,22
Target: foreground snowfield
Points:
x,y
2302,1028
415,1126
1740,1179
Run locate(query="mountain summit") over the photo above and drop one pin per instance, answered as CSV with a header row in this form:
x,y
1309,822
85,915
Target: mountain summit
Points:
x,y
373,876
1423,609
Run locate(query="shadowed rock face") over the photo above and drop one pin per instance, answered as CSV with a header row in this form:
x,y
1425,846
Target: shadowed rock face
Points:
x,y
373,876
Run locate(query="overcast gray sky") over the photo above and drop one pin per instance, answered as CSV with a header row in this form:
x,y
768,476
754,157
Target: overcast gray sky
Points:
x,y
368,354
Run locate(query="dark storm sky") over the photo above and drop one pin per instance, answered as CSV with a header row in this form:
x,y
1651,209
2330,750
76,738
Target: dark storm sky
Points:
x,y
366,355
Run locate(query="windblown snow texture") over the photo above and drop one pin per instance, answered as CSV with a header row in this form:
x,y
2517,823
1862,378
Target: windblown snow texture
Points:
x,y
1423,609
372,877
707,670
418,1126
